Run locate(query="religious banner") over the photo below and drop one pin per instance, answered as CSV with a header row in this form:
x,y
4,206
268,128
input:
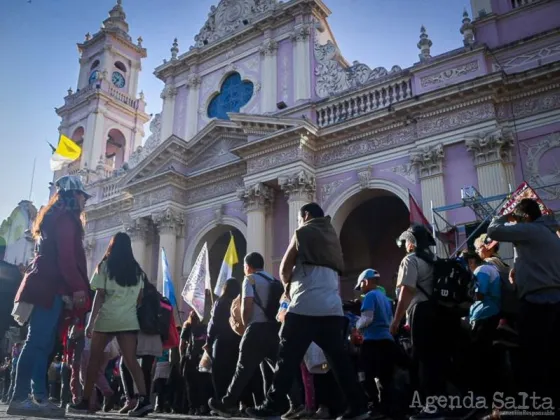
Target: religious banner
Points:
x,y
523,191
194,292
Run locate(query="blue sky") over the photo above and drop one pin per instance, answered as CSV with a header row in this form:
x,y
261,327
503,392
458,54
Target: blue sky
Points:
x,y
40,60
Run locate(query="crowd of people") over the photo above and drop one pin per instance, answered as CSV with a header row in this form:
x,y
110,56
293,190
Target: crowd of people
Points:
x,y
464,337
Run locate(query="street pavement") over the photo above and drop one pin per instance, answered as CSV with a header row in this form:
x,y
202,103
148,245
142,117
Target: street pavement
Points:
x,y
107,416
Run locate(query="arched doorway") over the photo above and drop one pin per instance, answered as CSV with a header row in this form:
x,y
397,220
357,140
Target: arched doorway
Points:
x,y
375,218
115,148
217,237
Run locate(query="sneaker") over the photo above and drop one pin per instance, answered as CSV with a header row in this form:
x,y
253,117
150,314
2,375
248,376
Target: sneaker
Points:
x,y
129,405
81,408
109,402
305,414
263,412
293,413
143,407
53,408
221,408
27,408
322,413
428,415
354,414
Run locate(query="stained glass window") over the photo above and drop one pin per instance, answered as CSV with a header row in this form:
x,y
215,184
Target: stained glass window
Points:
x,y
234,94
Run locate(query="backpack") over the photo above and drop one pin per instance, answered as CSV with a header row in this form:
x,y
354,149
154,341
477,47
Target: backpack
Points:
x,y
152,317
275,293
454,284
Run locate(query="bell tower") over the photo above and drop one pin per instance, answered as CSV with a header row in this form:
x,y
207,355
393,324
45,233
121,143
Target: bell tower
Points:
x,y
105,114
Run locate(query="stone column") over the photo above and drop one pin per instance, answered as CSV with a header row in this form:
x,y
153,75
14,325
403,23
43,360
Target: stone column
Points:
x,y
429,163
257,200
191,125
169,223
168,113
89,247
300,190
493,157
94,140
302,63
139,230
269,92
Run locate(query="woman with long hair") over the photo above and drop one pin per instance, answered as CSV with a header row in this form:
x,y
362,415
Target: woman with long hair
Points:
x,y
56,281
222,343
118,283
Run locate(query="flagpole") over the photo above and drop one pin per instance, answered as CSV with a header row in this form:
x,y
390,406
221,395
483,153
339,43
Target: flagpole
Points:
x,y
32,178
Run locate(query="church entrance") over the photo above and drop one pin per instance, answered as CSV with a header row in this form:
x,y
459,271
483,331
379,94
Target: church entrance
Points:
x,y
374,221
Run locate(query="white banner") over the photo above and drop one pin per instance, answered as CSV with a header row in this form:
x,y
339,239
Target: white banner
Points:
x,y
194,292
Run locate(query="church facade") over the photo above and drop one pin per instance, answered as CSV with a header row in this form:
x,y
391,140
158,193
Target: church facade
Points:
x,y
263,114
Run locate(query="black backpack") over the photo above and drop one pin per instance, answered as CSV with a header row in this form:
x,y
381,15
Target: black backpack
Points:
x,y
153,319
454,285
275,292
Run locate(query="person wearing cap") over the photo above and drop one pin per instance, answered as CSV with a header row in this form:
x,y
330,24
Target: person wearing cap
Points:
x,y
431,328
57,271
378,350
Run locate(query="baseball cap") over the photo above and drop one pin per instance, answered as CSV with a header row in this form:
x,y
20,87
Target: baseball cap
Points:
x,y
71,183
370,273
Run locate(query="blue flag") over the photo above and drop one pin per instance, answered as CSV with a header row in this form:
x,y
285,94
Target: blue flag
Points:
x,y
168,289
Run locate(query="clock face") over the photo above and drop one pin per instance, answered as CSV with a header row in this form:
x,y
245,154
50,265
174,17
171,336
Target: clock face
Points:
x,y
118,80
93,76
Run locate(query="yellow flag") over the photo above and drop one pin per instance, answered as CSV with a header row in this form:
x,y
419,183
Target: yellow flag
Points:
x,y
66,152
226,271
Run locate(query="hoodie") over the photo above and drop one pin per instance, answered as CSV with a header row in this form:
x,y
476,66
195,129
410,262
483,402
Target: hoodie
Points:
x,y
537,266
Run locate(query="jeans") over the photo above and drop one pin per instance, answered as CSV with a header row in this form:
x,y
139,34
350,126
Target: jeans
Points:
x,y
34,358
224,359
378,360
327,332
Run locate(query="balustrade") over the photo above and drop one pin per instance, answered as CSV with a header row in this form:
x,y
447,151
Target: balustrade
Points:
x,y
520,3
364,101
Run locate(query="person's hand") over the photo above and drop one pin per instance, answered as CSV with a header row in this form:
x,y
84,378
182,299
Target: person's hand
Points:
x,y
512,276
89,330
79,299
394,328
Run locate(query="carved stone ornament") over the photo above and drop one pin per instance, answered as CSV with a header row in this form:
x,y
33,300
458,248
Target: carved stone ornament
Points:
x,y
405,170
333,78
364,177
490,147
258,197
428,160
330,187
193,80
89,247
231,16
219,214
536,177
299,186
169,220
151,144
301,33
446,76
168,92
269,47
138,229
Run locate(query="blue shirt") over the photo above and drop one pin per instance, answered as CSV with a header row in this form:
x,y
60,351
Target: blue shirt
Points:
x,y
376,302
488,283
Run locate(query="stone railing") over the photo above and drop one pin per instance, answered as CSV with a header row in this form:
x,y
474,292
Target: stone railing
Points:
x,y
520,3
110,189
120,96
123,97
364,101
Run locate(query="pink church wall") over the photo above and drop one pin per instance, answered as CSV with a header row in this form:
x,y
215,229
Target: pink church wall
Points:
x,y
507,29
179,119
399,172
459,171
532,57
285,73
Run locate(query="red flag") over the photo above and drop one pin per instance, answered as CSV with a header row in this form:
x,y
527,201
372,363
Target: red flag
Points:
x,y
417,217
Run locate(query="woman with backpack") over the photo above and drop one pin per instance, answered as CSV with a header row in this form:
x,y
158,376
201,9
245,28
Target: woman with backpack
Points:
x,y
118,282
